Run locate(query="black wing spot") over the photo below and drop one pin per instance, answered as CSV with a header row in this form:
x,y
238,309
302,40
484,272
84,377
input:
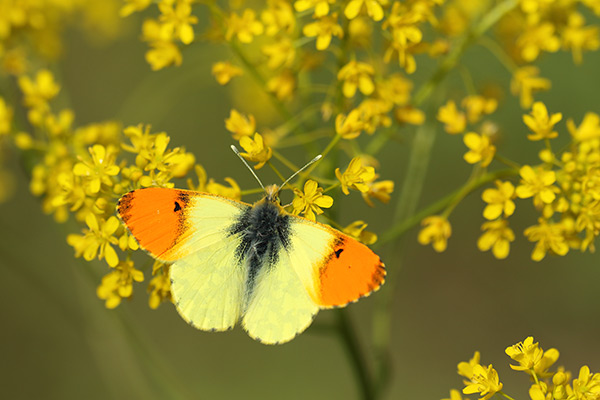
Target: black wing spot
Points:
x,y
338,252
177,207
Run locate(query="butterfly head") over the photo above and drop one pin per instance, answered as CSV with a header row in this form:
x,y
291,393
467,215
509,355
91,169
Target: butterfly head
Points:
x,y
272,192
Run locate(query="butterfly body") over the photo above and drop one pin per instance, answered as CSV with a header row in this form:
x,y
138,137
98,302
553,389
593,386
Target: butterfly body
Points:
x,y
254,264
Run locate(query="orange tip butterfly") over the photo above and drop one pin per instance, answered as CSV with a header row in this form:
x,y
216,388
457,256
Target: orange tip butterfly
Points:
x,y
254,264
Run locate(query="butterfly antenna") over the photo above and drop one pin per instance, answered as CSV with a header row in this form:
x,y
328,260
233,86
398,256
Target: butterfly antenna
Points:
x,y
236,151
314,160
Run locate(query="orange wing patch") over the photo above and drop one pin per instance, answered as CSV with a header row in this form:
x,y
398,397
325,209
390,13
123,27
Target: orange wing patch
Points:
x,y
351,271
156,218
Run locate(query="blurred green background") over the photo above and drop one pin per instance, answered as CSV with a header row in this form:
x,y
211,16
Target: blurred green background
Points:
x,y
59,342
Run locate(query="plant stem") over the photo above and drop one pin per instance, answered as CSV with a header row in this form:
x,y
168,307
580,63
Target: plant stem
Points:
x,y
411,189
355,352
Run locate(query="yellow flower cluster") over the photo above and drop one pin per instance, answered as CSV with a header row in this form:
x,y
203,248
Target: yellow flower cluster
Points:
x,y
564,188
83,171
531,359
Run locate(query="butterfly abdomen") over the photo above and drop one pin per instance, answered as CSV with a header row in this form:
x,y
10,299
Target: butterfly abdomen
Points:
x,y
264,231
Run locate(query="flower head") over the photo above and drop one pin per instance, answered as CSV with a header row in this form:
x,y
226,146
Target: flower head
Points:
x,y
540,123
355,176
436,230
99,169
497,236
373,7
310,201
481,150
357,231
324,29
118,283
499,200
240,125
97,240
454,121
476,106
244,27
256,151
549,237
538,184
484,381
159,287
225,71
525,82
355,75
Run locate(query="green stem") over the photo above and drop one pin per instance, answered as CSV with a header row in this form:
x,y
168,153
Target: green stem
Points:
x,y
402,226
353,347
505,395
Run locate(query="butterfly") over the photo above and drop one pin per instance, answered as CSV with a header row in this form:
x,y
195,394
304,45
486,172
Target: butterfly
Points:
x,y
255,264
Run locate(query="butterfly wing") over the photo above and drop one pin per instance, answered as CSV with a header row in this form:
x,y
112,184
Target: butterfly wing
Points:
x,y
319,268
192,230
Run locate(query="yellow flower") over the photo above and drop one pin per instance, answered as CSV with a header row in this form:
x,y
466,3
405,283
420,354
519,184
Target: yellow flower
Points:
x,y
256,151
484,381
324,29
244,27
163,52
159,287
118,284
588,130
525,82
538,184
537,38
497,236
579,38
379,190
280,53
480,149
373,7
357,231
409,115
310,201
540,123
355,75
476,106
37,93
240,125
587,385
396,89
454,395
224,71
6,114
210,186
499,200
466,368
355,176
350,126
132,6
436,230
282,85
178,17
321,7
454,121
97,240
403,22
99,169
526,353
278,17
549,237
374,114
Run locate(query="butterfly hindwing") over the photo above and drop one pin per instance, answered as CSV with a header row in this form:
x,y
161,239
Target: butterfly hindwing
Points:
x,y
208,286
279,306
343,269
